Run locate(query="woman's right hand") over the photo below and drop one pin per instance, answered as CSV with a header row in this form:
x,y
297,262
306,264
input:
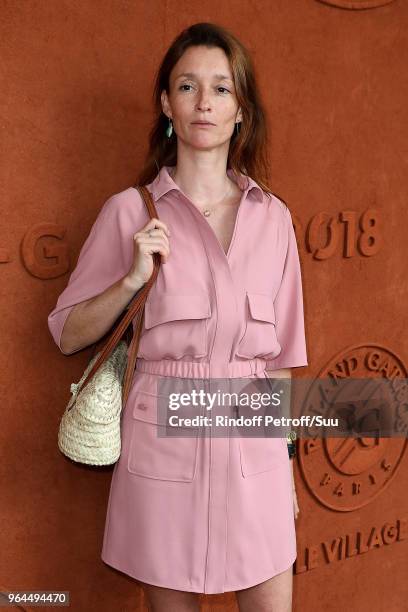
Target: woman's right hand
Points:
x,y
152,238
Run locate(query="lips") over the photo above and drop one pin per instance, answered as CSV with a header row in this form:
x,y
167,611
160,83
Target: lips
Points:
x,y
202,123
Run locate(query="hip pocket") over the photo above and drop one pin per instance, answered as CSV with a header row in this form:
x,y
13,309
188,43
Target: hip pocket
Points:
x,y
172,458
259,455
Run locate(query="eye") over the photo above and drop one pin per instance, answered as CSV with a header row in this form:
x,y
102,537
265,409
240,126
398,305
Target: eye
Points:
x,y
187,85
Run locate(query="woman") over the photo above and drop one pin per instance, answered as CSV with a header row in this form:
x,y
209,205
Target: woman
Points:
x,y
198,515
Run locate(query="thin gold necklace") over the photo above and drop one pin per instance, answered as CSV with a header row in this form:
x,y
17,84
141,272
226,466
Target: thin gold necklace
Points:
x,y
207,211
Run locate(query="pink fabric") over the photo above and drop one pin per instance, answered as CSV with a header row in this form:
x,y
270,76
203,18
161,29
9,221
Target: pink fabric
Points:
x,y
208,515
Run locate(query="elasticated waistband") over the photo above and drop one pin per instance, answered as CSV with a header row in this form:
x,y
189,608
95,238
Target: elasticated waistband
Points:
x,y
199,369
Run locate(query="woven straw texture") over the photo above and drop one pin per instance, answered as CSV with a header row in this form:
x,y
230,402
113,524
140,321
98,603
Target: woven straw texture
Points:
x,y
89,430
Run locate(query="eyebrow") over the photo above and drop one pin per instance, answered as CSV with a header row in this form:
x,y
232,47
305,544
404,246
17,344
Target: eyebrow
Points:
x,y
192,75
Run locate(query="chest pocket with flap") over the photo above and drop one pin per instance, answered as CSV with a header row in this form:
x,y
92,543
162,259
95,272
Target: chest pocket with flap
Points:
x,y
259,338
175,326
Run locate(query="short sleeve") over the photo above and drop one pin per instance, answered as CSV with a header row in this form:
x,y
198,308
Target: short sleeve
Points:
x,y
290,328
105,257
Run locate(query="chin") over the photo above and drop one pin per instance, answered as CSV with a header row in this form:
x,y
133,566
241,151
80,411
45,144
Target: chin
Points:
x,y
205,143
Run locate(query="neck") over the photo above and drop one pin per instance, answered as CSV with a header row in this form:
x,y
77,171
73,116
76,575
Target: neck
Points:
x,y
204,189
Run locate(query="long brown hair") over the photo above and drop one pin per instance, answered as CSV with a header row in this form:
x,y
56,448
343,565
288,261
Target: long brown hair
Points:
x,y
248,148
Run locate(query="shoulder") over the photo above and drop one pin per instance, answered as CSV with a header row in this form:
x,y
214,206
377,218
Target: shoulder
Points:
x,y
125,208
278,208
128,200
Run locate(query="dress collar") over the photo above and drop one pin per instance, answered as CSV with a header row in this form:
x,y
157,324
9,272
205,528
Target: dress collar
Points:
x,y
163,183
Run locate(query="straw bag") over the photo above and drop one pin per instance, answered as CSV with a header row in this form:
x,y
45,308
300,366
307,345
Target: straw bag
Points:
x,y
89,430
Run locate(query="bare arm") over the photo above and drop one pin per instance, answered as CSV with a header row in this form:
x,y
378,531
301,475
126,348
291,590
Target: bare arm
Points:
x,y
90,320
283,373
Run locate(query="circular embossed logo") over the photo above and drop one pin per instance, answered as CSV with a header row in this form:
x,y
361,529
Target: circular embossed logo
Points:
x,y
346,473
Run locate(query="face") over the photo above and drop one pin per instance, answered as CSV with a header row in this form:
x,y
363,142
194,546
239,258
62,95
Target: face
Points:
x,y
202,89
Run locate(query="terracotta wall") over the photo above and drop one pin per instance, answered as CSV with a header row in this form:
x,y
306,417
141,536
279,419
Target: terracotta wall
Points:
x,y
76,79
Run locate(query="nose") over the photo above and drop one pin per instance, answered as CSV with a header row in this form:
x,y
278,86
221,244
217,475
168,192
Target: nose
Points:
x,y
203,103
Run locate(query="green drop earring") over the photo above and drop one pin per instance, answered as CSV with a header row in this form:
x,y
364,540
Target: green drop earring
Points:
x,y
169,130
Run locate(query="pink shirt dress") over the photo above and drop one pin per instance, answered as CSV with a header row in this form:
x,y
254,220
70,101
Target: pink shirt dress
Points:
x,y
200,514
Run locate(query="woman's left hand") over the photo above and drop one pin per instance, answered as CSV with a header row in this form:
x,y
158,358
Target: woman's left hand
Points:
x,y
295,501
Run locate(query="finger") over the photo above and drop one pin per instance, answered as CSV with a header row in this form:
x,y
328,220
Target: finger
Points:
x,y
156,232
157,223
151,247
151,233
145,239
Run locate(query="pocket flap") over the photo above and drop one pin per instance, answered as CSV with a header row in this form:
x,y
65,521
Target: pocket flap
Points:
x,y
145,407
176,307
261,307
